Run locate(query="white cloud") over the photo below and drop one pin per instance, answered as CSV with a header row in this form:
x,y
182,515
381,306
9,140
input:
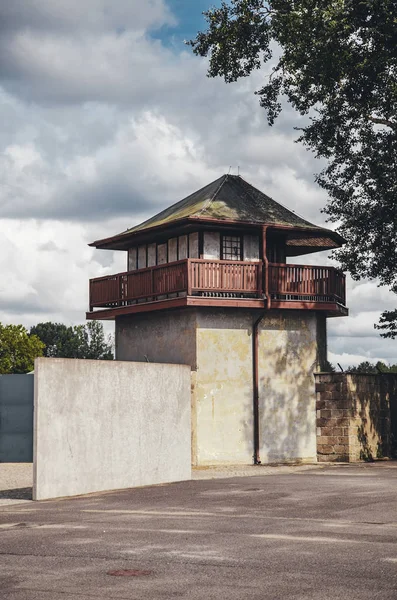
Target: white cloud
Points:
x,y
346,360
64,68
45,267
103,126
74,15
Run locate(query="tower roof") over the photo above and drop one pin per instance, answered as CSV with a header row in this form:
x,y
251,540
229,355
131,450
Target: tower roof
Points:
x,y
229,199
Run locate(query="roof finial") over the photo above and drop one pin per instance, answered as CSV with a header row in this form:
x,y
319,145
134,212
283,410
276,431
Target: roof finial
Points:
x,y
238,170
230,168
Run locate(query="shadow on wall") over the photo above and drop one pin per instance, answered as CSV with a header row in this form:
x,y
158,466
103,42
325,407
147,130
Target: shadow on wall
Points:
x,y
356,416
373,400
287,413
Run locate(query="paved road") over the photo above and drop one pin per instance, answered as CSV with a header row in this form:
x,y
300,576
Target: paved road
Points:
x,y
328,533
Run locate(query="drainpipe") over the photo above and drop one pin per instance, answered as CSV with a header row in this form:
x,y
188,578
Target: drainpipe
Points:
x,y
265,268
255,349
255,369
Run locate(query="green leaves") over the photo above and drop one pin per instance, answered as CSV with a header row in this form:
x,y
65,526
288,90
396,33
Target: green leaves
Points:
x,y
18,349
388,324
337,64
79,341
237,37
367,367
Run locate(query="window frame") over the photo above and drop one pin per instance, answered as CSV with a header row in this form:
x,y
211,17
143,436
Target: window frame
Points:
x,y
240,239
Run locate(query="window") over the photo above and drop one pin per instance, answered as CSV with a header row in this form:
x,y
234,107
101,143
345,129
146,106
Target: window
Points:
x,y
231,247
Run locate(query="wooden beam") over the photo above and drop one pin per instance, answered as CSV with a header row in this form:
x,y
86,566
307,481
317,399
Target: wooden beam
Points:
x,y
225,302
109,314
329,307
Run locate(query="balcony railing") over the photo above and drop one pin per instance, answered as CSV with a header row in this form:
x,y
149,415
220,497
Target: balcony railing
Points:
x,y
304,282
215,278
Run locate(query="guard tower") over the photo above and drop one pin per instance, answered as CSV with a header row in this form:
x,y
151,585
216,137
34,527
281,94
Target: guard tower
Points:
x,y
208,284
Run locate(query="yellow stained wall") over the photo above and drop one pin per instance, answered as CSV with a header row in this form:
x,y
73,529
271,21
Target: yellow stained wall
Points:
x,y
288,357
224,387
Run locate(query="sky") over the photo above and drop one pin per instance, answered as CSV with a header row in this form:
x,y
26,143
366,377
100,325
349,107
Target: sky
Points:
x,y
107,118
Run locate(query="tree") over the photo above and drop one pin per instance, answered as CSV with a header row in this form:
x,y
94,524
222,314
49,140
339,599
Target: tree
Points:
x,y
59,340
367,367
328,367
18,349
335,61
92,343
79,341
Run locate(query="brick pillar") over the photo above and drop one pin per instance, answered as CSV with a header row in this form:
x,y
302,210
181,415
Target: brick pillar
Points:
x,y
333,417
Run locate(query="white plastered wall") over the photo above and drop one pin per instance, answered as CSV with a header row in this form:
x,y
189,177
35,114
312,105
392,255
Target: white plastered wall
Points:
x,y
212,245
103,425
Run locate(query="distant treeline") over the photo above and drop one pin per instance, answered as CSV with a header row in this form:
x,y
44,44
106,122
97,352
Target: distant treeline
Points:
x,y
365,367
19,347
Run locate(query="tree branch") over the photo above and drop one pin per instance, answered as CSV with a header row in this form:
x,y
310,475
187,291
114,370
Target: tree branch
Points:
x,y
386,122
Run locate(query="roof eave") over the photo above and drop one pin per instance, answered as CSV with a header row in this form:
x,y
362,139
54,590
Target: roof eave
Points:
x,y
122,240
110,243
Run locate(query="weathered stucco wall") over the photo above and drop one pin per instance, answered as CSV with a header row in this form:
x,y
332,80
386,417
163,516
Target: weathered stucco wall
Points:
x,y
212,245
163,337
355,416
251,247
103,425
172,249
218,344
224,387
288,357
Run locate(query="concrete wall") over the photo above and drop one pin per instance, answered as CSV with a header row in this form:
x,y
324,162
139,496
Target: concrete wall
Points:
x,y
223,387
288,357
102,425
163,337
16,418
217,344
355,416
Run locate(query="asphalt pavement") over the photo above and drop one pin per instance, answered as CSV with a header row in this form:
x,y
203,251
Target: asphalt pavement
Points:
x,y
322,533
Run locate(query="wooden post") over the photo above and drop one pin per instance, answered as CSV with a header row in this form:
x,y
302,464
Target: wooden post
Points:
x,y
265,287
189,276
259,276
90,295
120,288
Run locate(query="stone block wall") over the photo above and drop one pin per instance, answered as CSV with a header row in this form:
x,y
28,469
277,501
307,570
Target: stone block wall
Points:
x,y
354,416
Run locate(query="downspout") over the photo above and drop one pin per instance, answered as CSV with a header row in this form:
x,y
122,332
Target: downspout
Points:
x,y
255,369
266,292
255,349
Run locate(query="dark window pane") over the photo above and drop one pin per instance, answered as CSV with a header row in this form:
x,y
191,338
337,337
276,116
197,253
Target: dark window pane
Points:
x,y
231,247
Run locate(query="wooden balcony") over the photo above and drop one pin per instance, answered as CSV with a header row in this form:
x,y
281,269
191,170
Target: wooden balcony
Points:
x,y
198,282
307,283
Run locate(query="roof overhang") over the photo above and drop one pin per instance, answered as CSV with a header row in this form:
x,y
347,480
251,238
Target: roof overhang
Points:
x,y
299,240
